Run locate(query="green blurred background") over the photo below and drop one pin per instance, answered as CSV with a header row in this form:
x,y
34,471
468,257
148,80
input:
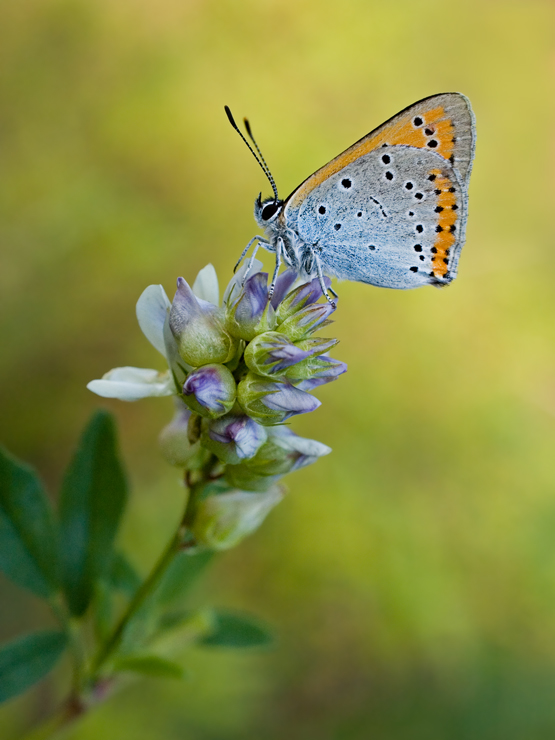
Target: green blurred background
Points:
x,y
411,574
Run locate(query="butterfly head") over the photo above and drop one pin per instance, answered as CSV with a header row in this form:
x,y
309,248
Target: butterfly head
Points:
x,y
267,211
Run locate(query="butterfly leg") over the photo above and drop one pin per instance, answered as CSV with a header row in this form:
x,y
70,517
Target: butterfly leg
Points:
x,y
322,283
246,249
250,264
261,243
279,247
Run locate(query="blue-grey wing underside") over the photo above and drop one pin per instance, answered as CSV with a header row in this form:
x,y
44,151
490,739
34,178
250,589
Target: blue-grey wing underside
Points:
x,y
378,219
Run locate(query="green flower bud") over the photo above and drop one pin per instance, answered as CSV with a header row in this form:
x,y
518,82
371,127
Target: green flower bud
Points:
x,y
174,439
272,402
210,391
282,453
297,299
198,328
272,354
306,321
221,520
315,363
246,478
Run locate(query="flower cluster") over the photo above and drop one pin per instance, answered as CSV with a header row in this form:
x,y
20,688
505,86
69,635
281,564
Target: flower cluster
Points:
x,y
238,370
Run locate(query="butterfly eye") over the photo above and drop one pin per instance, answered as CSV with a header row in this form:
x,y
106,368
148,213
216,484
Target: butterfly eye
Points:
x,y
269,211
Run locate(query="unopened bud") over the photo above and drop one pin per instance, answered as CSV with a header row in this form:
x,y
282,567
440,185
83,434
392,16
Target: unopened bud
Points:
x,y
233,438
198,328
272,402
210,391
328,370
175,445
304,295
283,452
222,520
251,313
306,321
271,354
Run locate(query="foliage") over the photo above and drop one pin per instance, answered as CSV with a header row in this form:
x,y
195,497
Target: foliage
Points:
x,y
70,560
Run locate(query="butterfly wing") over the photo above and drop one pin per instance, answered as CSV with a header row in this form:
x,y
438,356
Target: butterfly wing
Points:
x,y
391,209
395,218
441,123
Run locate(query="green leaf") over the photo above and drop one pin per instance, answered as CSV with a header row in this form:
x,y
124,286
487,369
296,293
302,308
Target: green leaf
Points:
x,y
123,577
28,552
93,496
187,625
236,630
26,660
150,665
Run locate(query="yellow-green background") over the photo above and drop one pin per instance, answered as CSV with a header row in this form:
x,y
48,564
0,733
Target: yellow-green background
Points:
x,y
410,575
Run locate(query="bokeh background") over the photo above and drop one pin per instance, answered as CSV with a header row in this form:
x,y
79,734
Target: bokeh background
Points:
x,y
410,575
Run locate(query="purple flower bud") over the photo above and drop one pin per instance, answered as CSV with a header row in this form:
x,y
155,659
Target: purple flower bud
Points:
x,y
210,391
271,402
284,452
330,370
299,451
251,313
269,354
233,438
197,326
285,398
304,295
304,322
283,284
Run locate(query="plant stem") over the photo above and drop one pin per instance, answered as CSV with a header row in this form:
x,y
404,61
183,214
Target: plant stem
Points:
x,y
57,723
76,704
76,646
146,589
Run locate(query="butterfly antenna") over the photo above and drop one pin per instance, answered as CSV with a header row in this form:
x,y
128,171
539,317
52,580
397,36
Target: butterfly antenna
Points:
x,y
268,173
264,167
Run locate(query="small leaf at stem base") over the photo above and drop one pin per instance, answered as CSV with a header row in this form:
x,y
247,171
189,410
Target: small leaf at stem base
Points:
x,y
25,661
236,630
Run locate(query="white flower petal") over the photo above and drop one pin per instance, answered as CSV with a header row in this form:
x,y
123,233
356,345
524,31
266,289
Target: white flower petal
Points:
x,y
206,285
152,308
132,383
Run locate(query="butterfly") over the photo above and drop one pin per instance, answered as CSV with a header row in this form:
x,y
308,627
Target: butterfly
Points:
x,y
390,210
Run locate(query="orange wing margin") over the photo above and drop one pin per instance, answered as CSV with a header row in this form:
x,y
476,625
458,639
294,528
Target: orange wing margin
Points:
x,y
444,124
